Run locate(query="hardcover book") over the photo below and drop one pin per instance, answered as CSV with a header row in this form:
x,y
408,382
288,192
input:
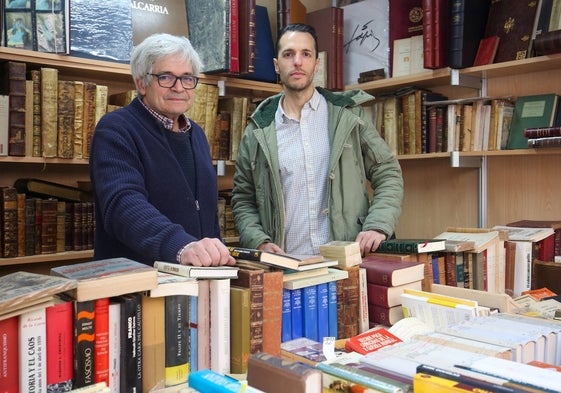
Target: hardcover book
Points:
x,y
514,24
209,33
272,311
240,329
264,48
160,16
13,85
405,21
9,329
284,261
264,371
332,275
371,340
468,19
46,189
220,325
8,222
391,272
385,296
411,246
21,289
201,272
173,284
108,277
531,111
110,22
176,338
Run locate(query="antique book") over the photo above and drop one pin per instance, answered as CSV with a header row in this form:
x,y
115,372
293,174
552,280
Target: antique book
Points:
x,y
405,21
49,226
46,189
4,123
240,310
115,30
28,137
546,274
108,277
61,226
531,111
391,272
209,32
176,338
551,141
348,299
78,121
468,19
513,24
247,28
163,16
37,147
253,279
272,311
265,370
8,222
290,11
233,38
555,224
547,43
101,94
486,51
436,20
386,316
389,296
13,85
541,132
264,48
65,120
49,111
338,248
89,121
324,21
197,271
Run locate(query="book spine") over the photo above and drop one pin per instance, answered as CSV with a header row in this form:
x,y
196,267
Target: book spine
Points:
x,y
114,346
540,132
353,374
297,313
322,311
84,364
101,342
65,120
9,361
220,326
253,280
286,329
348,298
429,26
49,226
240,308
552,141
32,345
333,316
49,111
193,332
176,339
8,222
272,311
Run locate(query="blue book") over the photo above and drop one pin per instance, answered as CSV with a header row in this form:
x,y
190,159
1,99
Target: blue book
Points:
x,y
193,332
332,288
435,270
297,313
286,327
264,70
310,311
323,311
210,381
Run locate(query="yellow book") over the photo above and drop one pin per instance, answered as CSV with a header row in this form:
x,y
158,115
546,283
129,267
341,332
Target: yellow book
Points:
x,y
425,383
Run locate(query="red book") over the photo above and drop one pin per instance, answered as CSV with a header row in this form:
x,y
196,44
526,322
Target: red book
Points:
x,y
101,341
428,33
384,315
486,51
541,132
391,272
234,38
371,341
9,361
324,22
60,342
382,295
441,33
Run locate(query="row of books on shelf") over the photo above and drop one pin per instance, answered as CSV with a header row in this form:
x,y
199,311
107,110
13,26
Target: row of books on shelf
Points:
x,y
33,225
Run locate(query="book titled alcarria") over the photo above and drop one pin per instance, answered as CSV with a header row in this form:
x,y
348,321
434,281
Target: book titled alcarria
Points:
x,y
108,277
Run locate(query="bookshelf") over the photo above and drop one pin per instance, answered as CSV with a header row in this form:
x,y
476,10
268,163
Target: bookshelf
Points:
x,y
486,188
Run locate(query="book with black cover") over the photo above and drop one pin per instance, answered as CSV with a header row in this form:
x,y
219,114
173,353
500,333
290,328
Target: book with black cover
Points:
x,y
468,19
47,189
209,33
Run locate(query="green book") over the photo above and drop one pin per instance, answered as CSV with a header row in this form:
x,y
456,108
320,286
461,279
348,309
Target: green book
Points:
x,y
531,111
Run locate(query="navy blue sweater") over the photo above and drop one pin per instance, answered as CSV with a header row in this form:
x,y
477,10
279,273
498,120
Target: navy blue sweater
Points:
x,y
145,209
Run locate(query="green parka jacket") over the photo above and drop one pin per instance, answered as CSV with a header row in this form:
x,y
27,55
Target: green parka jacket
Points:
x,y
358,155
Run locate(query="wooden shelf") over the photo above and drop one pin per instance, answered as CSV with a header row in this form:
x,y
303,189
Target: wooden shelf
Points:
x,y
487,153
46,258
43,161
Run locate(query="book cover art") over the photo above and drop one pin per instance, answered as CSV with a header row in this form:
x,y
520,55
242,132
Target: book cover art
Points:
x,y
209,33
157,16
107,21
371,340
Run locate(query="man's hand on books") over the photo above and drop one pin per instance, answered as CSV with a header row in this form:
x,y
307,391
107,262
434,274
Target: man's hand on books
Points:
x,y
206,252
270,247
369,241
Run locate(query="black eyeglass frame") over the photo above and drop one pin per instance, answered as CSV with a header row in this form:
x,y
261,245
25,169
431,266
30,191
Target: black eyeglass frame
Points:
x,y
180,78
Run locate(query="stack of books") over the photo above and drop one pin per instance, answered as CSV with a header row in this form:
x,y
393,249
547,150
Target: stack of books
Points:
x,y
387,278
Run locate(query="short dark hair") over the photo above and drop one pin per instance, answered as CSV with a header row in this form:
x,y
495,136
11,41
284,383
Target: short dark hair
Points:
x,y
299,27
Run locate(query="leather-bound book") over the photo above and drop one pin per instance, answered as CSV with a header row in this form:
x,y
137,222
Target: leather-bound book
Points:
x,y
89,117
49,111
406,20
13,85
468,19
247,37
8,222
29,226
290,11
49,226
65,121
78,126
37,149
513,22
21,223
324,22
547,43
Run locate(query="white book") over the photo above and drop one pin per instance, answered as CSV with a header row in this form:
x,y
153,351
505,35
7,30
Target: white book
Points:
x,y
220,326
526,374
210,272
32,350
522,267
114,346
332,275
4,124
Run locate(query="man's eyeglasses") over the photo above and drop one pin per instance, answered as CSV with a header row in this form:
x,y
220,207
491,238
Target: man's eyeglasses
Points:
x,y
169,80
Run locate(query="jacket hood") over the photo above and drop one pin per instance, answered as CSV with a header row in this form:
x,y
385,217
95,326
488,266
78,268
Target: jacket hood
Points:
x,y
265,112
